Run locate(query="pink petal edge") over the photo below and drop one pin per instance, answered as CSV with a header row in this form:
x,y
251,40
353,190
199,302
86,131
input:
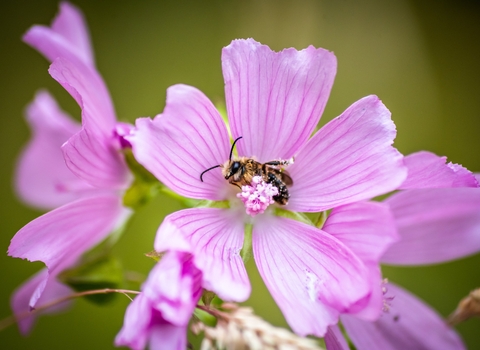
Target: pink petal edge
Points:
x,y
215,238
59,237
20,300
92,154
311,275
67,37
410,324
275,99
334,339
350,159
177,156
435,225
367,228
427,170
41,178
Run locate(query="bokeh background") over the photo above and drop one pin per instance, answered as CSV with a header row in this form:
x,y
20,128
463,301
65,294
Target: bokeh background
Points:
x,y
421,57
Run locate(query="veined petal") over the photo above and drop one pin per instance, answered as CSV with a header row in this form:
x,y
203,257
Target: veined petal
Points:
x,y
58,238
42,178
435,225
275,100
215,238
409,324
86,86
136,327
311,275
367,228
92,154
427,170
68,36
20,301
174,287
348,160
334,339
188,138
95,160
371,307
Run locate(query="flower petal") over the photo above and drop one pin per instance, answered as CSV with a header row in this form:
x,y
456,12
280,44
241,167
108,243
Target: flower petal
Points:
x,y
427,170
348,160
409,324
215,238
68,36
92,154
96,161
20,301
371,307
168,337
275,100
435,225
60,237
367,228
310,274
178,155
42,178
86,86
334,339
174,287
136,327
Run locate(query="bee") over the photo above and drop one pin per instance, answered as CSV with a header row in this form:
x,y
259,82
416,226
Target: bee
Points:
x,y
240,172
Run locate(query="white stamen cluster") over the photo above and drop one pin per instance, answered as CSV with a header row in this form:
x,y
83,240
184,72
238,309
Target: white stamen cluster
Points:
x,y
239,328
257,196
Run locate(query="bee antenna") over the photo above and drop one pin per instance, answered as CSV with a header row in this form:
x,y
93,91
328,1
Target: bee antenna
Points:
x,y
233,146
213,167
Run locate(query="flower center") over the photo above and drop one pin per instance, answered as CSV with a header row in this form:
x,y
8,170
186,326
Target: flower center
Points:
x,y
257,196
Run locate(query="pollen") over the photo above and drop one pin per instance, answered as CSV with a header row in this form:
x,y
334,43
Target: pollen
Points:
x,y
257,196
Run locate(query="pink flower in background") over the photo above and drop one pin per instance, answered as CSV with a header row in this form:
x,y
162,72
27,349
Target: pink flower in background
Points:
x,y
88,190
274,101
42,179
437,219
159,316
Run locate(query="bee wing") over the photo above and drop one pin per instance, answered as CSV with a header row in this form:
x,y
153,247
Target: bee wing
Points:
x,y
286,178
273,167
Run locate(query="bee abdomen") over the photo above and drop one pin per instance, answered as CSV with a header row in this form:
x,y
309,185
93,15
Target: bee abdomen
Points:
x,y
283,195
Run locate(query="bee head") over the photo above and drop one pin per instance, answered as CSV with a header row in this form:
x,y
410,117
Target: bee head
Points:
x,y
234,168
231,169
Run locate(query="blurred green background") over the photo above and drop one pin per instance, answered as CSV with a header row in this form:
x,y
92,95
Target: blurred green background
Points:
x,y
421,57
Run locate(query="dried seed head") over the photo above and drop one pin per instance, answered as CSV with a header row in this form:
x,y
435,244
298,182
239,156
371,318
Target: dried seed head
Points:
x,y
468,307
239,329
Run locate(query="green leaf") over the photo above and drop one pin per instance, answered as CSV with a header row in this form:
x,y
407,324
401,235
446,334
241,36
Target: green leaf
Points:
x,y
140,193
157,256
102,272
207,297
205,317
293,215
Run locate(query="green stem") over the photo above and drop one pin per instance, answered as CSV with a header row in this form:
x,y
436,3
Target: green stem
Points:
x,y
246,252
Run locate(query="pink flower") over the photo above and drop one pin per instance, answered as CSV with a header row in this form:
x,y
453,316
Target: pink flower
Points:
x,y
437,219
159,316
88,190
274,102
